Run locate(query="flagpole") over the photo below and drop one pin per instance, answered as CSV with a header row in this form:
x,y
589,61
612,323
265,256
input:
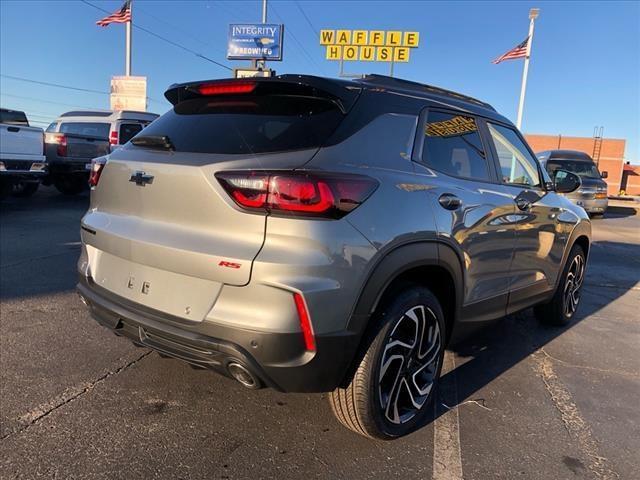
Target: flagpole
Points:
x,y
127,66
533,14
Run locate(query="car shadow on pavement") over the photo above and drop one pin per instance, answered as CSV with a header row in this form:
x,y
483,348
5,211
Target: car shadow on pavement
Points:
x,y
501,345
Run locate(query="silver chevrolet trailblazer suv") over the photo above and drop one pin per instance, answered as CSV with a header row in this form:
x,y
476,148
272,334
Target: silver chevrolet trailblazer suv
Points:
x,y
321,235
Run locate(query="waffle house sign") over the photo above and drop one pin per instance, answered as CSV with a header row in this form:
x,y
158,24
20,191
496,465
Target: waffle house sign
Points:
x,y
369,45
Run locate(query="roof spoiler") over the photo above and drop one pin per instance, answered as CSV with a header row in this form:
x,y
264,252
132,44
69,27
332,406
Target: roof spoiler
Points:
x,y
343,94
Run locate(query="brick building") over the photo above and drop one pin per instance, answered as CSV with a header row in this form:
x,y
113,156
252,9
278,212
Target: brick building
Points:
x,y
608,153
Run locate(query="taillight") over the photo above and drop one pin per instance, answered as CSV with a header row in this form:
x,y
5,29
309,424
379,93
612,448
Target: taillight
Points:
x,y
298,193
97,165
305,323
59,139
113,138
226,88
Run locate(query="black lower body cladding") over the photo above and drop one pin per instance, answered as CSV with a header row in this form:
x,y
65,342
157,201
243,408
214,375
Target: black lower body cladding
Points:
x,y
278,360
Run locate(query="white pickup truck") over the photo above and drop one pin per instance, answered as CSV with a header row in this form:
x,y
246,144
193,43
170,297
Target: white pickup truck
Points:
x,y
22,160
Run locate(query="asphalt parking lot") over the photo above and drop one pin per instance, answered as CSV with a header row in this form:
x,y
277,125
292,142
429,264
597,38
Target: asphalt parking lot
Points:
x,y
518,401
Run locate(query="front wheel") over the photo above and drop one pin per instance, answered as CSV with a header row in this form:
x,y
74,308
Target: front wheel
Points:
x,y
564,304
396,379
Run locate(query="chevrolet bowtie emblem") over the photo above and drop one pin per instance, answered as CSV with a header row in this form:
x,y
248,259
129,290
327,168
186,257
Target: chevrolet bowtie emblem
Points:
x,y
141,178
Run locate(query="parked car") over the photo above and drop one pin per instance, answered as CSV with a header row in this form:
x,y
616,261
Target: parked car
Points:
x,y
77,137
22,162
592,195
322,235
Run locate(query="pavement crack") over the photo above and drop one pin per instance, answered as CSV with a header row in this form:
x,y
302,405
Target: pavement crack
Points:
x,y
587,367
571,417
34,416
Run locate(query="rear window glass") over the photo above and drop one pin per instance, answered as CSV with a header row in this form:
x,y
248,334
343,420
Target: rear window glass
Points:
x,y
89,129
453,146
247,125
128,131
13,118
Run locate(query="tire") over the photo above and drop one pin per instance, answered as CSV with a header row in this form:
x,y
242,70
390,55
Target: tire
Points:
x,y
6,187
408,333
70,185
25,189
566,300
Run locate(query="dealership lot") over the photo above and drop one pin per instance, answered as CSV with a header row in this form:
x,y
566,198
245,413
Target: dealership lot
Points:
x,y
519,400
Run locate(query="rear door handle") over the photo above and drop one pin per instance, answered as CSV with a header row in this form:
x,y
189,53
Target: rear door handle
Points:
x,y
449,201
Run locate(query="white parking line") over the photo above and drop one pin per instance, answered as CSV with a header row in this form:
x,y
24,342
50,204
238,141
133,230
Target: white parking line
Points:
x,y
572,418
447,457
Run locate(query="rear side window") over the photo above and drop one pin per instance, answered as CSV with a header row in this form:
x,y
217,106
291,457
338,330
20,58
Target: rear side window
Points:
x,y
89,129
246,125
52,127
452,145
11,117
128,131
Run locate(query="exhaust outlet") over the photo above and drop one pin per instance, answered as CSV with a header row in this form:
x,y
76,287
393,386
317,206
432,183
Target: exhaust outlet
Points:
x,y
242,374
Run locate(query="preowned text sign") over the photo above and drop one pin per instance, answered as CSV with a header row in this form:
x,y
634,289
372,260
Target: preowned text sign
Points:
x,y
369,45
254,41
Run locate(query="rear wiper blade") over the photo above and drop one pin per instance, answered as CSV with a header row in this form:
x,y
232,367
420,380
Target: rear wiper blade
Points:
x,y
160,142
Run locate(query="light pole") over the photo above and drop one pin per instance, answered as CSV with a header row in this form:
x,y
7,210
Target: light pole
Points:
x,y
533,14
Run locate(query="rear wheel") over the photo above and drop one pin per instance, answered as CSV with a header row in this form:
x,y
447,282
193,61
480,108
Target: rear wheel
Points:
x,y
394,384
71,185
564,304
25,189
6,188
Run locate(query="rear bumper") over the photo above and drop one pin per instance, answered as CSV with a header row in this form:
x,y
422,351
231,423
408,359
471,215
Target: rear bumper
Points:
x,y
23,169
278,359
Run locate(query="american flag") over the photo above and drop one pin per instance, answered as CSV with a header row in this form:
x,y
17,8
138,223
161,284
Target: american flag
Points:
x,y
121,16
517,52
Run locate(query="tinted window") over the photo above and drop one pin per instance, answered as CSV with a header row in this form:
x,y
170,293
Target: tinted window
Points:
x,y
251,124
583,169
517,165
128,131
453,146
89,129
10,117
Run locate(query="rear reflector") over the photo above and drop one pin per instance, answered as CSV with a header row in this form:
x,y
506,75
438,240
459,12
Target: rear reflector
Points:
x,y
298,193
226,88
305,323
97,165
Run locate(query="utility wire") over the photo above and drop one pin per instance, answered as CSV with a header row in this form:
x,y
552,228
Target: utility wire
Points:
x,y
68,87
315,30
45,101
295,39
171,42
53,84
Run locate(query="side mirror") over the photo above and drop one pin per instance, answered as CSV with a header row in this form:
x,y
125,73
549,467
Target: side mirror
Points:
x,y
566,182
604,174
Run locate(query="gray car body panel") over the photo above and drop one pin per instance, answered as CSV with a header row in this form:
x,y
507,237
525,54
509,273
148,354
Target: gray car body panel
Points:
x,y
175,233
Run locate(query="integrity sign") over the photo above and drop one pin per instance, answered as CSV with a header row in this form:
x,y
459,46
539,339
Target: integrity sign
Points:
x,y
255,41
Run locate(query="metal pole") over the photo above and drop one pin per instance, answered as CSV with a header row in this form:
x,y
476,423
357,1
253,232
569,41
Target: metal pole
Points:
x,y
263,63
533,14
127,66
391,68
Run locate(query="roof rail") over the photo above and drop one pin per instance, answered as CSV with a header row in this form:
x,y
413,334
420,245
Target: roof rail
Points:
x,y
375,79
